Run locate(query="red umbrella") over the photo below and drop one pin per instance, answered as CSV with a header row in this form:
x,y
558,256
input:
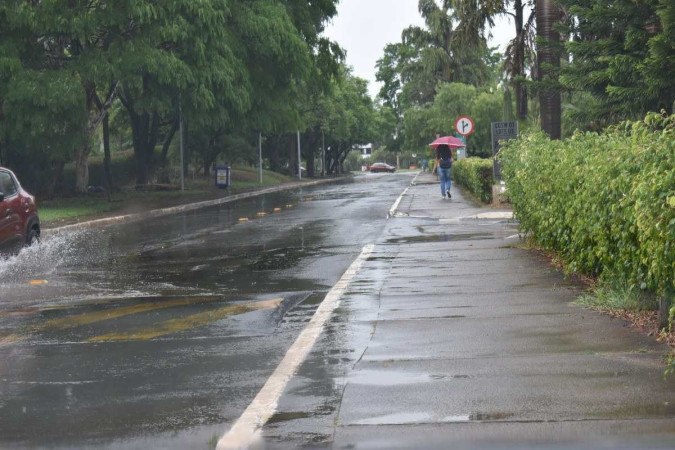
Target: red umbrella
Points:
x,y
450,141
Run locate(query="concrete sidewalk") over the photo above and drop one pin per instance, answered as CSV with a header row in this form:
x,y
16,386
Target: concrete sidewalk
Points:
x,y
453,337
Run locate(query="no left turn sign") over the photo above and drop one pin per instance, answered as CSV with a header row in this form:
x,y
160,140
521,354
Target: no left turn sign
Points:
x,y
464,125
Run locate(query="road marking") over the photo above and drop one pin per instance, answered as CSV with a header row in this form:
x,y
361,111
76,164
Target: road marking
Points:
x,y
246,430
185,323
63,323
392,211
73,321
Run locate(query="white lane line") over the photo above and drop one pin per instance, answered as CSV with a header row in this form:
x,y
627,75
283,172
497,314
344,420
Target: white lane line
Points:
x,y
392,211
246,430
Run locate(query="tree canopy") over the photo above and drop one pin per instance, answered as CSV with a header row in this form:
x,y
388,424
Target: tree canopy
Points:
x,y
76,73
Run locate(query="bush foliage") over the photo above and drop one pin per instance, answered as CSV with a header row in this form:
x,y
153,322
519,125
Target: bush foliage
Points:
x,y
604,202
475,174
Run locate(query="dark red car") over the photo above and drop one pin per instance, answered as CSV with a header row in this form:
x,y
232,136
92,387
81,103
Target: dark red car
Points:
x,y
19,221
381,167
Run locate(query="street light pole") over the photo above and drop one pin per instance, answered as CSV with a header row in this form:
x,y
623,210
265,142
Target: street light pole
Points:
x,y
182,150
260,155
299,156
323,154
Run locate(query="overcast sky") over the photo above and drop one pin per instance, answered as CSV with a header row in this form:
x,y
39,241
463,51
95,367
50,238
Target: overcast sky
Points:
x,y
364,27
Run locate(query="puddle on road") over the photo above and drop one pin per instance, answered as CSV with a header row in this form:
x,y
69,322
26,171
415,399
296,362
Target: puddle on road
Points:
x,y
422,417
440,238
81,315
386,378
477,417
381,258
186,323
286,416
397,419
336,195
280,258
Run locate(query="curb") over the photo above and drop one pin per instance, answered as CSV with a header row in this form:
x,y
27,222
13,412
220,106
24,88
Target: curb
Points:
x,y
184,208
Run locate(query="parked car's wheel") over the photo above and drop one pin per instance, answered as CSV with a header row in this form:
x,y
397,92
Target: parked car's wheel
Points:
x,y
32,237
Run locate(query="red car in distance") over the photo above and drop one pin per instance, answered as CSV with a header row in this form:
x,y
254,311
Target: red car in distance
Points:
x,y
381,167
19,221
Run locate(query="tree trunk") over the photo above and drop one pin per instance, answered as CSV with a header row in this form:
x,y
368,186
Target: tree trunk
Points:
x,y
548,64
292,146
107,173
167,142
309,148
519,86
272,145
145,129
82,167
57,174
139,126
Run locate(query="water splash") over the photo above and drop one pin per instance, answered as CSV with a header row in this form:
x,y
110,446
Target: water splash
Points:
x,y
45,257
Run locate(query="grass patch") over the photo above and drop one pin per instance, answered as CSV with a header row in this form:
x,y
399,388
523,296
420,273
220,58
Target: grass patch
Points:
x,y
128,200
73,208
616,296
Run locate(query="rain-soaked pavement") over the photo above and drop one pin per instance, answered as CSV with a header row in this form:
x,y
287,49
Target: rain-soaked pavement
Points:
x,y
158,333
452,336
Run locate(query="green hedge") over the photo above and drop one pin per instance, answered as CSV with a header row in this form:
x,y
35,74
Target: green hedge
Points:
x,y
605,203
475,174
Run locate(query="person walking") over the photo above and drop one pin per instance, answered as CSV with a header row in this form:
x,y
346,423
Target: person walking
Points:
x,y
444,165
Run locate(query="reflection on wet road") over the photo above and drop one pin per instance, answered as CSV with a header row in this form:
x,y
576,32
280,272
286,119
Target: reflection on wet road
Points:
x,y
163,331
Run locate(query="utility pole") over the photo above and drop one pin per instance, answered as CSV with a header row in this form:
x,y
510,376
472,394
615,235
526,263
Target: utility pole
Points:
x,y
299,159
182,150
260,155
323,154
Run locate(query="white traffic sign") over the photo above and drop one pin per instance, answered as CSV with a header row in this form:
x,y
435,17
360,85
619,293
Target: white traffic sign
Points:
x,y
464,125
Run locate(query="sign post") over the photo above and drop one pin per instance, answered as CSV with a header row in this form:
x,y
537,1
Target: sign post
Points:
x,y
501,131
464,126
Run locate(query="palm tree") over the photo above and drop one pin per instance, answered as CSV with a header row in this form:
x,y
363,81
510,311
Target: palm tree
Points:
x,y
548,66
518,53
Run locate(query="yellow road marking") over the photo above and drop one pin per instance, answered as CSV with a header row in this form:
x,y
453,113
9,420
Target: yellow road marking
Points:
x,y
77,320
37,282
185,323
63,323
10,339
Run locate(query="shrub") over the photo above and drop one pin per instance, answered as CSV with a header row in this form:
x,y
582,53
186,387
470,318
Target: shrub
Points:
x,y
475,174
605,203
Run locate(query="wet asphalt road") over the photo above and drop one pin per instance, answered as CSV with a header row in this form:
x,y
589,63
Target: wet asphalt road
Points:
x,y
157,334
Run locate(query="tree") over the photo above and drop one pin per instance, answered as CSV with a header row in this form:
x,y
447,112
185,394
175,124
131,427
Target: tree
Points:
x,y
451,48
622,54
348,115
453,99
477,15
519,53
438,53
548,14
41,102
276,58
